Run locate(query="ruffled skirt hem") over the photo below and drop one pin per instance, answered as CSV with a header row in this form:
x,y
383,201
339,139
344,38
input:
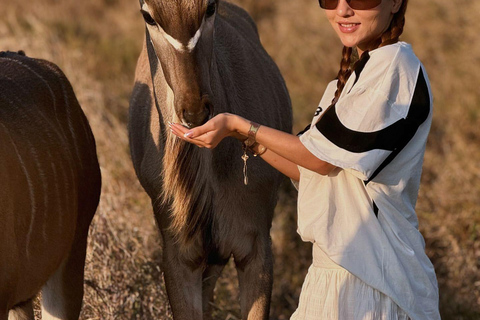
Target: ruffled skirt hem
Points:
x,y
332,293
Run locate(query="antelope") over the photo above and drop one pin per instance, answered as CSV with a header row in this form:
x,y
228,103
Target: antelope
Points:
x,y
201,58
49,191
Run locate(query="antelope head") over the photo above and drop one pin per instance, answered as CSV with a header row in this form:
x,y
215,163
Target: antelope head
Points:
x,y
181,34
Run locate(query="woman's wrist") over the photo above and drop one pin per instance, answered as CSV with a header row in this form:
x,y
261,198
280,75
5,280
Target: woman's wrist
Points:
x,y
238,126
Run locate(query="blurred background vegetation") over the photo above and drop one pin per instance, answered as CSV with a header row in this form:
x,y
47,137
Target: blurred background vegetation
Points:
x,y
96,43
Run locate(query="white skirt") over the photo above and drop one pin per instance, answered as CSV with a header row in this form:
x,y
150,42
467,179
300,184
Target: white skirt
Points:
x,y
332,293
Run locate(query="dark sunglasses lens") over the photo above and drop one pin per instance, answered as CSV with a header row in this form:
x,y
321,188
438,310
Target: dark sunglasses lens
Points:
x,y
328,4
354,4
363,4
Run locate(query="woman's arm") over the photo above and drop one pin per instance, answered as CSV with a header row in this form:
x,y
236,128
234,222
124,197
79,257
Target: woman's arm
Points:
x,y
283,165
280,144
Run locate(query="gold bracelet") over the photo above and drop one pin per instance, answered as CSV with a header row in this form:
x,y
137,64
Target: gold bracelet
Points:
x,y
252,133
261,150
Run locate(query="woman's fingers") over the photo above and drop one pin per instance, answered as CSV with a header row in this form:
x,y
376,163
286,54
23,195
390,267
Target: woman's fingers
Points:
x,y
197,131
208,135
180,131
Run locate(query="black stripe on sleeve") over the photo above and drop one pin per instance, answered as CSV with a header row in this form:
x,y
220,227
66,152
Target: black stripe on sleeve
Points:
x,y
417,114
389,138
304,130
355,141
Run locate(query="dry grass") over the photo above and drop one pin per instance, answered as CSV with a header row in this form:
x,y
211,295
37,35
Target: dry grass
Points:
x,y
96,44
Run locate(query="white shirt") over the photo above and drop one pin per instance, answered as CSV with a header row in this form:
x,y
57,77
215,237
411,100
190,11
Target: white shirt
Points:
x,y
363,213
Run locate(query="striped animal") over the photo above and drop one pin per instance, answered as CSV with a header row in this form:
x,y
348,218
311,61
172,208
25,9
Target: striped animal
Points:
x,y
201,58
49,190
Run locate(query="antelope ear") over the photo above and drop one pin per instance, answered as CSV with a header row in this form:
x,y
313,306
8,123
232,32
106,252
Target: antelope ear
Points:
x,y
396,5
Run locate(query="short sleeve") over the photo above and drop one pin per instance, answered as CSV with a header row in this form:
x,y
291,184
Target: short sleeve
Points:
x,y
367,128
356,138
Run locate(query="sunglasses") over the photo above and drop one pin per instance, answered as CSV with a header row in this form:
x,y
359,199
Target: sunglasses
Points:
x,y
354,4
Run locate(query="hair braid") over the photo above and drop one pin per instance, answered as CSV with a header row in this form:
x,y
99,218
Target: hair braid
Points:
x,y
344,72
390,36
393,33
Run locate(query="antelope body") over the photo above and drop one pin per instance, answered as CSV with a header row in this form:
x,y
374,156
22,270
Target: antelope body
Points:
x,y
49,190
201,58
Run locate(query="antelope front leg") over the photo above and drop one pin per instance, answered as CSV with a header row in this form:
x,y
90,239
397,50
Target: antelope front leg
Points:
x,y
184,285
210,277
255,277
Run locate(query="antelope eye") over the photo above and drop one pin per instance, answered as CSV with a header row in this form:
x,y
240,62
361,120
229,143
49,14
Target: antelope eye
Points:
x,y
148,18
210,9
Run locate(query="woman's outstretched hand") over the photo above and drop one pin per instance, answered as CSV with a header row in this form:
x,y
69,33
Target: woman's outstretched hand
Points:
x,y
211,133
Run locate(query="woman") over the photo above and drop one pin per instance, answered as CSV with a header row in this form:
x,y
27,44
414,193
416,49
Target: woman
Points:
x,y
358,165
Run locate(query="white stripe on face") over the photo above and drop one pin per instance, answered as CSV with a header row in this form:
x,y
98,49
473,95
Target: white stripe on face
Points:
x,y
193,42
177,45
174,42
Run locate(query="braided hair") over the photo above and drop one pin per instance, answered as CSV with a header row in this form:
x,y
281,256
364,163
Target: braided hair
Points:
x,y
390,36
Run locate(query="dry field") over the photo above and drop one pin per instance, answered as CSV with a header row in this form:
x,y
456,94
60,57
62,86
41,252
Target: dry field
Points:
x,y
96,43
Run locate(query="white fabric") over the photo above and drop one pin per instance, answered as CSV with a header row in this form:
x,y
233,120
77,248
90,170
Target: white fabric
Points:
x,y
336,211
332,293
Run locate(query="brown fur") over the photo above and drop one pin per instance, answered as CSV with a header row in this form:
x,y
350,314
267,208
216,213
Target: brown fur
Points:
x,y
168,12
204,212
186,192
49,192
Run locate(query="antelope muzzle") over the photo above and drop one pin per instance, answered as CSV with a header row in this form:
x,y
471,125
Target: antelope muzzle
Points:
x,y
195,113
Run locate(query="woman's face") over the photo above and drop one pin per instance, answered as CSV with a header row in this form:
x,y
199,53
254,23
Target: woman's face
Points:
x,y
360,28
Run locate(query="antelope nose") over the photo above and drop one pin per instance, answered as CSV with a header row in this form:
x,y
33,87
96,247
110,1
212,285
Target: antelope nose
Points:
x,y
200,114
195,119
